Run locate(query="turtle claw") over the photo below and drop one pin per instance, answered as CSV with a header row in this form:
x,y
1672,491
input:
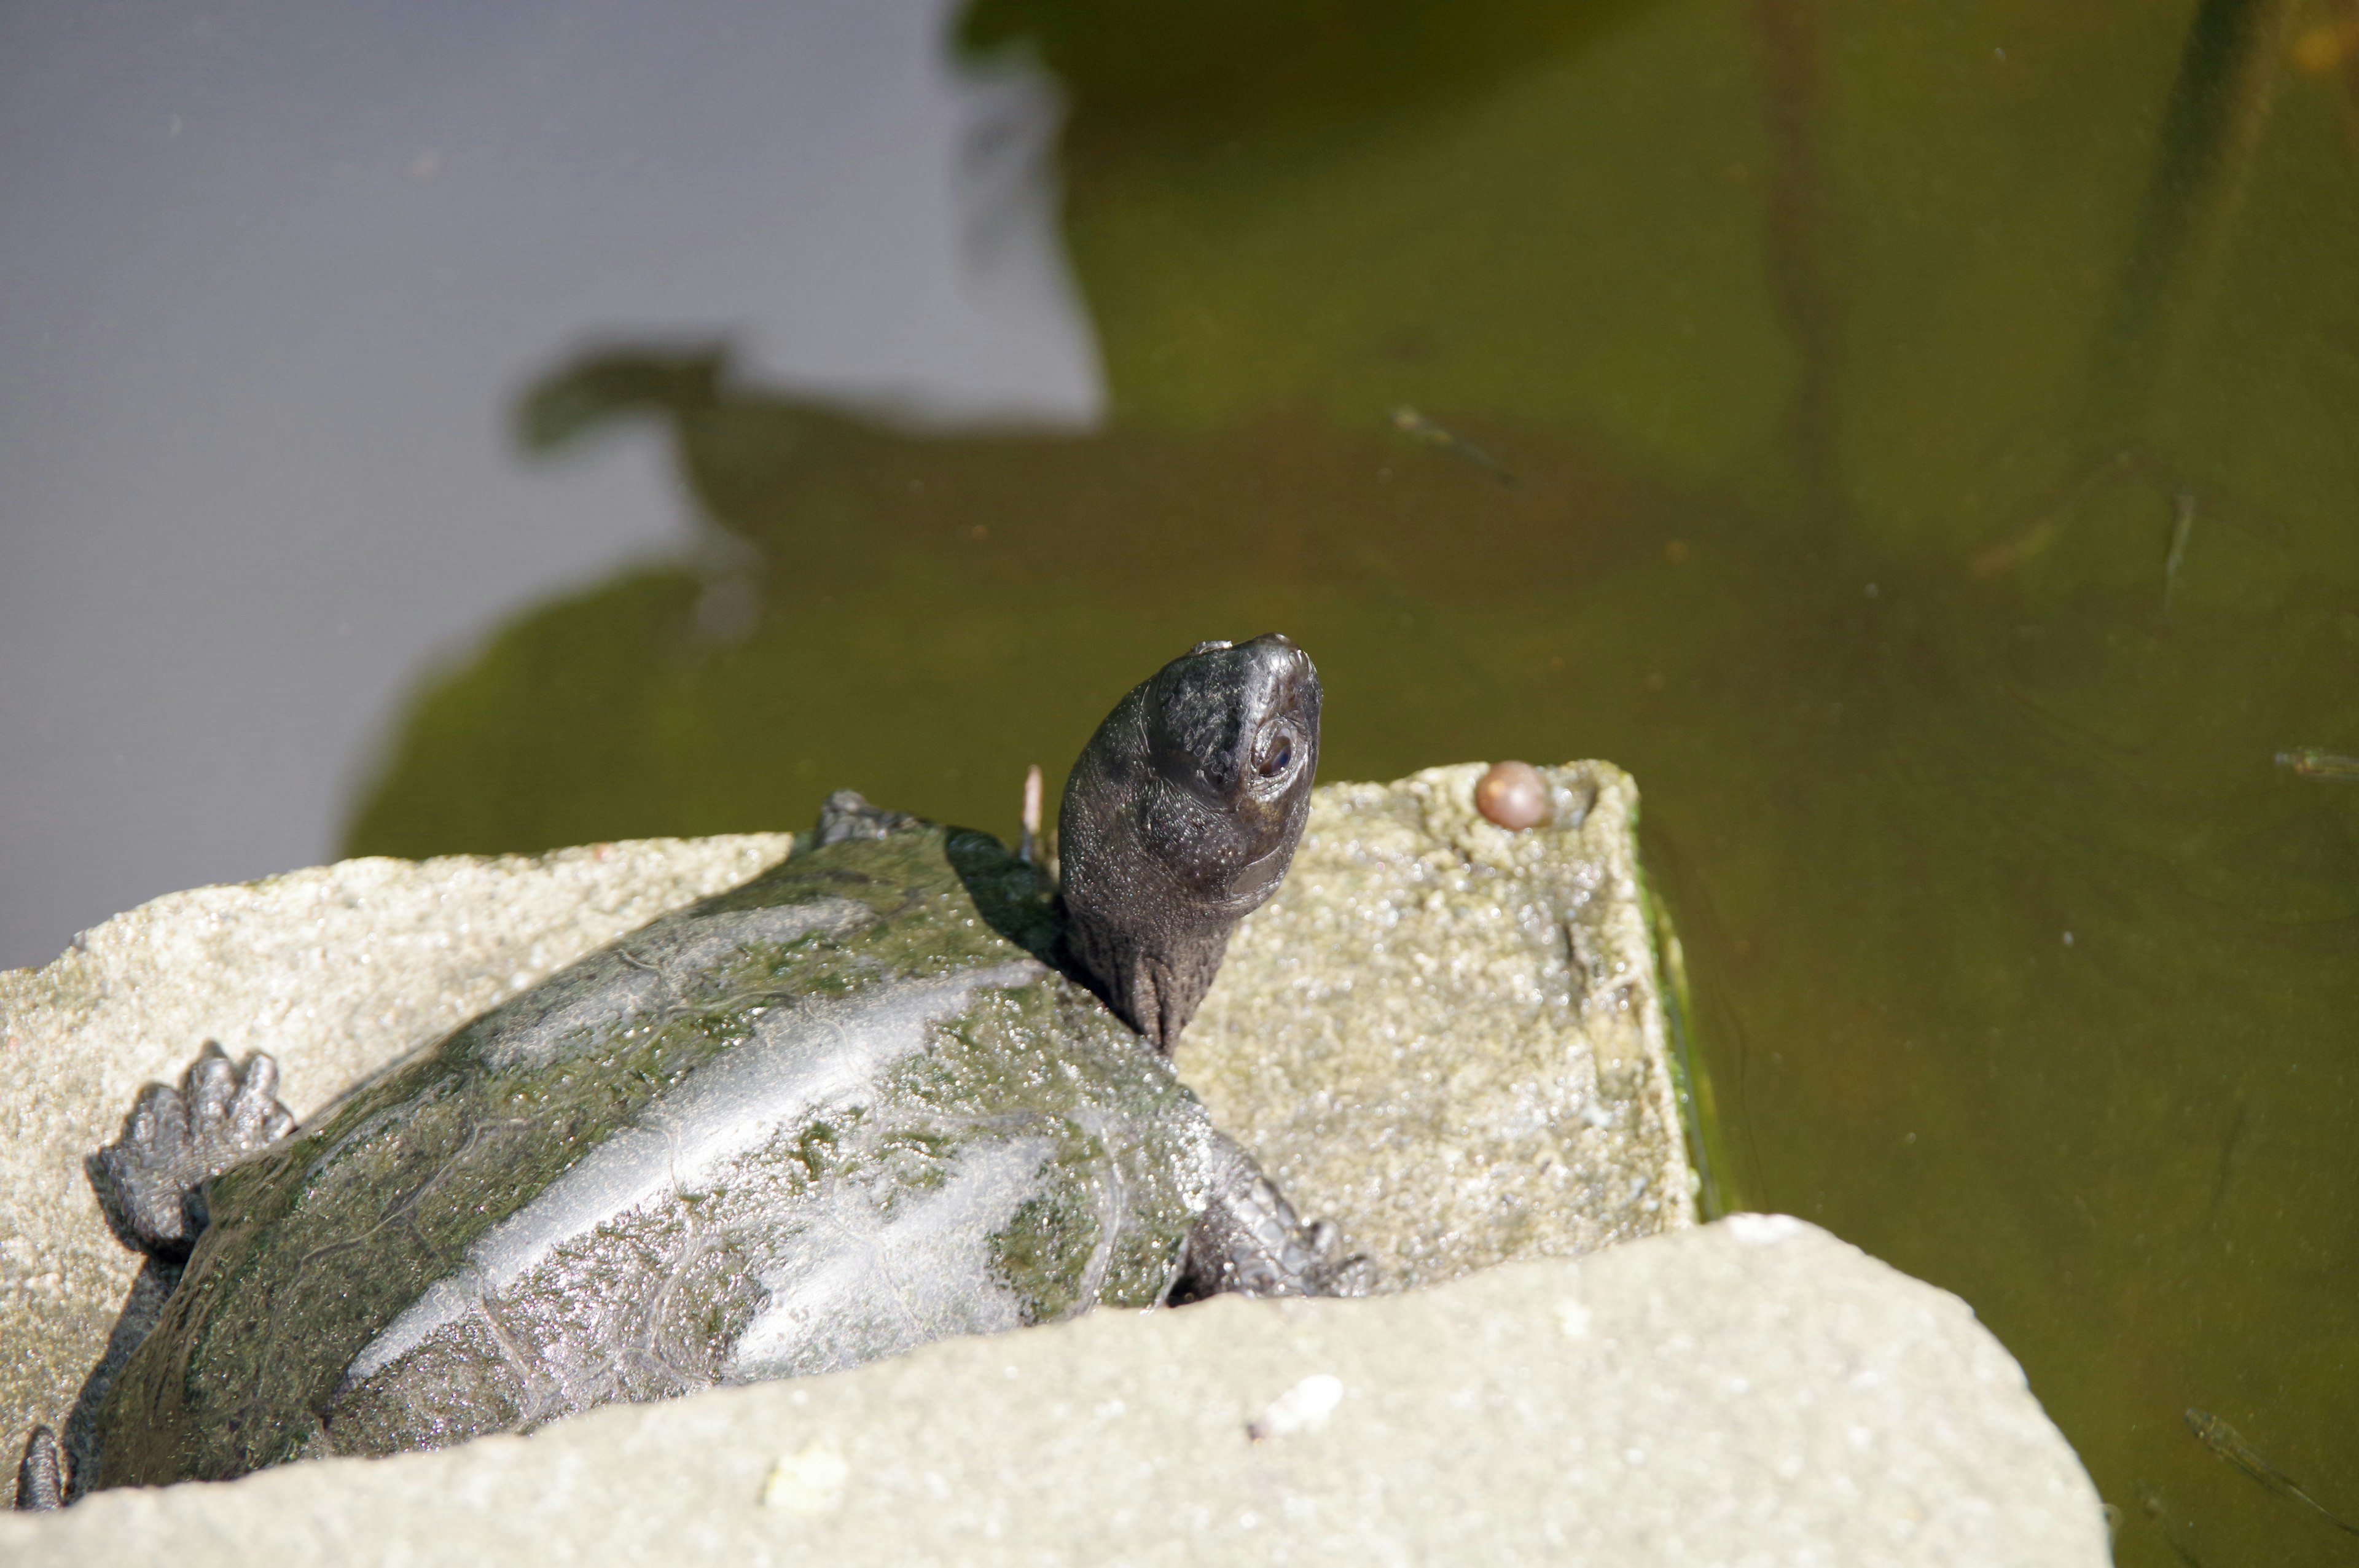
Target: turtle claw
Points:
x,y
151,1180
41,1474
1329,1275
255,1118
846,815
1250,1241
1353,1276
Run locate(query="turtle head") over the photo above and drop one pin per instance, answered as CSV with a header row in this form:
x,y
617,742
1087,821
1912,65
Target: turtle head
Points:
x,y
1180,818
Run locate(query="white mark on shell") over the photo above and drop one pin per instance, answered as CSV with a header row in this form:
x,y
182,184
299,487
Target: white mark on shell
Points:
x,y
1302,1408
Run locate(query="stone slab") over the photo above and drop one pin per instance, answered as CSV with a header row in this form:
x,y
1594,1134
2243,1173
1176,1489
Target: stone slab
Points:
x,y
1449,1038
1751,1392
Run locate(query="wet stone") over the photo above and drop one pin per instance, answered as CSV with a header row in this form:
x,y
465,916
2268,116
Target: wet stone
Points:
x,y
1448,1036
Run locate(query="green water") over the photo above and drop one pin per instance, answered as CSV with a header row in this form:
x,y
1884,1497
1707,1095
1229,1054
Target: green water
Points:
x,y
1921,444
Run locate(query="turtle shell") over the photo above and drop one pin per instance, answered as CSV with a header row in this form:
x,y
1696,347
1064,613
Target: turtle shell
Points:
x,y
838,1112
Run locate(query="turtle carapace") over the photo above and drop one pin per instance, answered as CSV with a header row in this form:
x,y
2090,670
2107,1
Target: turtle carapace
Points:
x,y
895,1088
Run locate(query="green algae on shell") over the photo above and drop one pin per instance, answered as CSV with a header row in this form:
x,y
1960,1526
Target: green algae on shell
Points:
x,y
840,1111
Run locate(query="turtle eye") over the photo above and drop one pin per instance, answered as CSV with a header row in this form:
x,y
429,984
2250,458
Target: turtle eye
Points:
x,y
1276,752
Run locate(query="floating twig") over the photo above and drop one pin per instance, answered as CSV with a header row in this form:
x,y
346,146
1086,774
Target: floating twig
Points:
x,y
1024,845
1417,427
2314,763
2182,527
2229,1445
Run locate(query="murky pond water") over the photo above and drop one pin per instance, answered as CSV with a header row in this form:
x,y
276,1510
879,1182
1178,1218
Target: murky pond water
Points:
x,y
1921,444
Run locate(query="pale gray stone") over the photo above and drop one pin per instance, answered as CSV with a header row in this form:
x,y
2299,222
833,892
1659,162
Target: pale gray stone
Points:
x,y
1751,1392
1448,1037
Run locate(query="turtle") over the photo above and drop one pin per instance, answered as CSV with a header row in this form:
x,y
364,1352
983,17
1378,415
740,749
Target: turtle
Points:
x,y
902,1086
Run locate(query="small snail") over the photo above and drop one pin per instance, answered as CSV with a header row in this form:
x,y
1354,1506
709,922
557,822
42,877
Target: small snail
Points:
x,y
1515,795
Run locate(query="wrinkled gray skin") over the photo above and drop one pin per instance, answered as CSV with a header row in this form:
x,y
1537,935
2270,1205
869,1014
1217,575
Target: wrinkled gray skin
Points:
x,y
1180,818
865,1101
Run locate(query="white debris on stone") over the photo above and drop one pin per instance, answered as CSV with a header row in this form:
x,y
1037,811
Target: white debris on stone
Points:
x,y
1302,1408
809,1481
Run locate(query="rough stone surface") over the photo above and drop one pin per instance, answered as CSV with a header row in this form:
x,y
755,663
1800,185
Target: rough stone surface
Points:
x,y
1449,1037
1751,1392
335,970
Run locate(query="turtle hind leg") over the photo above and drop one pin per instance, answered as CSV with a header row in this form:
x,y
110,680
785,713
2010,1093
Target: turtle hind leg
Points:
x,y
151,1180
41,1474
846,815
1250,1240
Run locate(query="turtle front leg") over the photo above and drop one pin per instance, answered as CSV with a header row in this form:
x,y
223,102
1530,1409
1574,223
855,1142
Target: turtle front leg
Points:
x,y
1250,1240
151,1183
151,1180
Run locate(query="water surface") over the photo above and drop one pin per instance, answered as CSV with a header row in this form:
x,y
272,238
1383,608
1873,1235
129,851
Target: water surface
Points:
x,y
1918,443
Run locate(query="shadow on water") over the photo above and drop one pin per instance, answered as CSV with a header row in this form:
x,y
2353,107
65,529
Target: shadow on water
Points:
x,y
1933,481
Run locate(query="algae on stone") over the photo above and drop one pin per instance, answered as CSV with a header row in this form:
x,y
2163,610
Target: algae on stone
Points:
x,y
1448,1037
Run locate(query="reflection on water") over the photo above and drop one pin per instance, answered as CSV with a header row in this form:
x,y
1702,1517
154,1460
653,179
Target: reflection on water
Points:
x,y
1930,437
269,266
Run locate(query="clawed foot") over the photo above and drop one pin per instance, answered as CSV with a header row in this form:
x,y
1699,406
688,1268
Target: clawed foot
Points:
x,y
1283,1257
41,1474
1249,1240
1331,1274
151,1180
